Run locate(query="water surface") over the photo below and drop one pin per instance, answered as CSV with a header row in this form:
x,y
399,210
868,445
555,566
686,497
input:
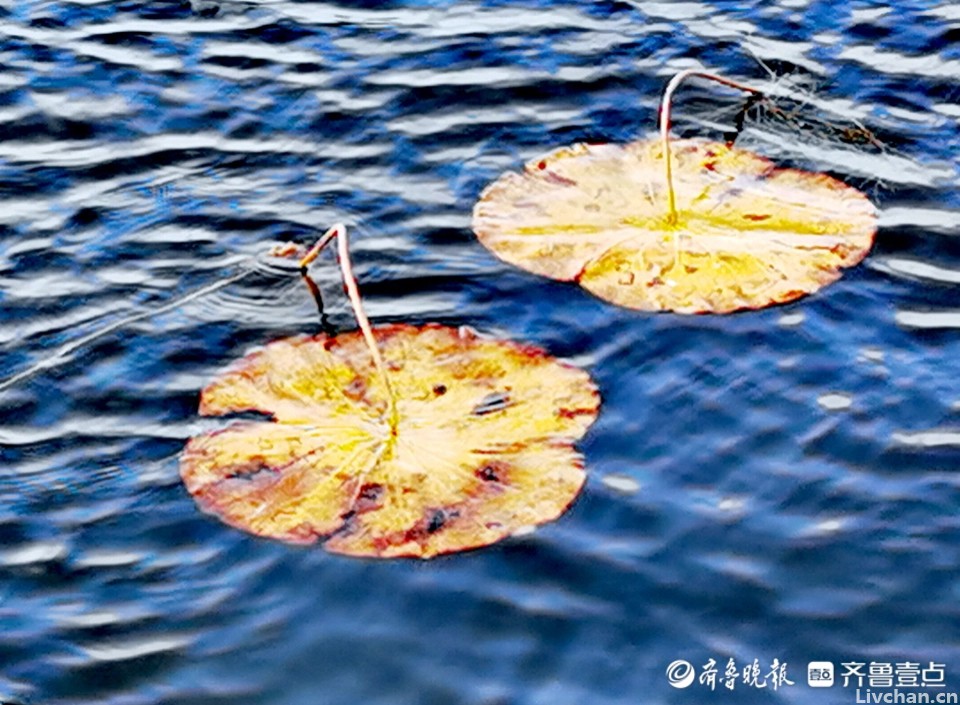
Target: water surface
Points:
x,y
775,484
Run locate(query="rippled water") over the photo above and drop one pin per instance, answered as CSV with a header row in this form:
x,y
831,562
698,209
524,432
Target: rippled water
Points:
x,y
776,484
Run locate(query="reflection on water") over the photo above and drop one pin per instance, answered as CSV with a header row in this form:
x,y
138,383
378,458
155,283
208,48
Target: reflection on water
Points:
x,y
776,484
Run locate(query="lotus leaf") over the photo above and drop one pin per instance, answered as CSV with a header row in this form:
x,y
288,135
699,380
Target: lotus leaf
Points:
x,y
441,440
676,225
746,234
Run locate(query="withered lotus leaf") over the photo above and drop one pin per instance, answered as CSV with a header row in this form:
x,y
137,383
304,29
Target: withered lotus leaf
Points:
x,y
482,444
745,234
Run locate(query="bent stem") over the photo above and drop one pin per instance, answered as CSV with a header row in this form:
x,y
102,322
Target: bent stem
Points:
x,y
339,231
665,126
318,300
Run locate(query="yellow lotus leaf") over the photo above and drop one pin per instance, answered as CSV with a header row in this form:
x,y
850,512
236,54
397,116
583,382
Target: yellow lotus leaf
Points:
x,y
482,444
745,234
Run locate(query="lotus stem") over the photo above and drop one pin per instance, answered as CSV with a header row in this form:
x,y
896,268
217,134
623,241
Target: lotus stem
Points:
x,y
339,231
665,126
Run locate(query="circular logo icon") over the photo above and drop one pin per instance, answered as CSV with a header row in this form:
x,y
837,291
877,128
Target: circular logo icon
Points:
x,y
680,674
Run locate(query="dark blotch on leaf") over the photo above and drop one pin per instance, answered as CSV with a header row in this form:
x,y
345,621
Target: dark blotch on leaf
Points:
x,y
440,389
497,401
496,471
439,519
436,522
251,472
488,473
369,497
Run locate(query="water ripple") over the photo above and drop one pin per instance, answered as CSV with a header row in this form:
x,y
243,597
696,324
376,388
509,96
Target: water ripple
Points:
x,y
776,484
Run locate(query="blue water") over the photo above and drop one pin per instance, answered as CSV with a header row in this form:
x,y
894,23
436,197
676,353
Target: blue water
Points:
x,y
780,484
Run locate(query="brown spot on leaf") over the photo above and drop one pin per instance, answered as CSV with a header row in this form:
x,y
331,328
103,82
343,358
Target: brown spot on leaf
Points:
x,y
494,471
369,498
573,413
556,178
356,389
252,472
